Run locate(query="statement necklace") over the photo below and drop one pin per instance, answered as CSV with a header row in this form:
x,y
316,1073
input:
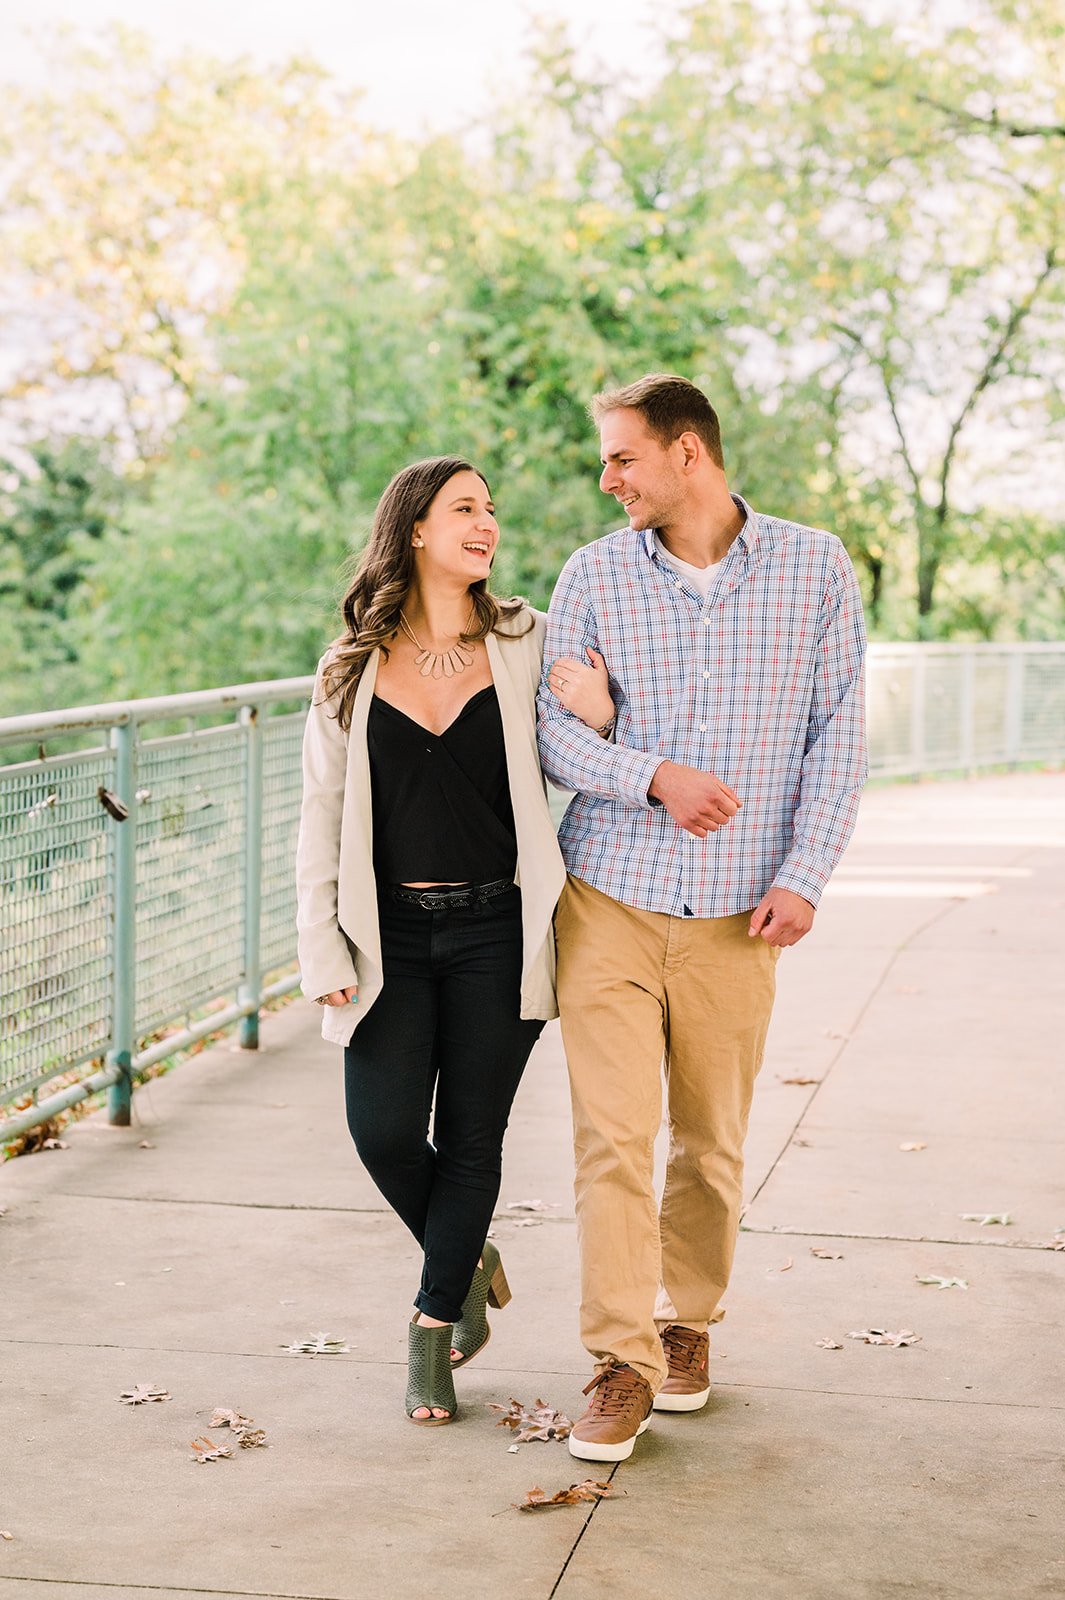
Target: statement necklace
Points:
x,y
439,663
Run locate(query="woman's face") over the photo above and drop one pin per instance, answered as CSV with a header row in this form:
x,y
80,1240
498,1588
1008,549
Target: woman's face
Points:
x,y
458,533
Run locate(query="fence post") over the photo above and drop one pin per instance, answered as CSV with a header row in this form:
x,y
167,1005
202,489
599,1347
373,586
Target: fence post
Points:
x,y
251,987
1014,705
967,713
918,692
124,925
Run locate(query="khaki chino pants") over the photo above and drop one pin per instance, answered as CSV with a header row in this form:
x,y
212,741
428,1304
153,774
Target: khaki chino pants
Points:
x,y
636,988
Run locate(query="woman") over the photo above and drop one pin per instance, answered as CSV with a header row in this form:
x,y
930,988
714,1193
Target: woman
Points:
x,y
427,875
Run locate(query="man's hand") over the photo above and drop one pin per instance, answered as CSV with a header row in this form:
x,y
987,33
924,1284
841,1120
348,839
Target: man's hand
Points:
x,y
781,917
339,997
698,801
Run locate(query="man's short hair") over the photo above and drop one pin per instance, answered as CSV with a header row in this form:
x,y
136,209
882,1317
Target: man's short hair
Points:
x,y
669,405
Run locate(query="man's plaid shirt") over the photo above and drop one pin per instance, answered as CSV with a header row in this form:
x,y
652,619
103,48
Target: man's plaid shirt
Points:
x,y
762,686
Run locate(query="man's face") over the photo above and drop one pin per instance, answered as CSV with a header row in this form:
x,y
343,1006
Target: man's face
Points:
x,y
638,471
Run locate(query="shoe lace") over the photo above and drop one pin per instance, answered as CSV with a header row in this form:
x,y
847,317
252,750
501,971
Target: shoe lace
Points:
x,y
684,1347
618,1386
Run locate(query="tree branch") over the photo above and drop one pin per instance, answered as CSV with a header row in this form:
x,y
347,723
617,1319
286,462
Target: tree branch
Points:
x,y
991,365
994,123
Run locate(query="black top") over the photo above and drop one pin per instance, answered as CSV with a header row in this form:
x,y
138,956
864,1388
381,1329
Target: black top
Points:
x,y
441,801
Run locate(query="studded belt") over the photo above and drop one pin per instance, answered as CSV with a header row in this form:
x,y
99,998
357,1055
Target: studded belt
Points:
x,y
457,897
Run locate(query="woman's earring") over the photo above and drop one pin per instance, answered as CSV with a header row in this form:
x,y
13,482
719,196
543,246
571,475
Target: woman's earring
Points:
x,y
419,544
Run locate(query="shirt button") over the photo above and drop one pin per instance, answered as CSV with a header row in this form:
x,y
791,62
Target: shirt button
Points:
x,y
702,727
706,622
706,674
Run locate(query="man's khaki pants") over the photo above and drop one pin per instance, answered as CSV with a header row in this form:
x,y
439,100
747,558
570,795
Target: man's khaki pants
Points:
x,y
635,987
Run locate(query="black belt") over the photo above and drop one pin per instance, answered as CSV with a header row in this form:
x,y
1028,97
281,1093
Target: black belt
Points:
x,y
456,897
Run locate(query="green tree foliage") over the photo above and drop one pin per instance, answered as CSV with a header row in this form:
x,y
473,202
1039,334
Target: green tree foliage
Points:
x,y
253,310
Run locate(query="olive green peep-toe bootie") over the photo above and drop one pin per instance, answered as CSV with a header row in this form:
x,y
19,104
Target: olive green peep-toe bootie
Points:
x,y
489,1287
429,1381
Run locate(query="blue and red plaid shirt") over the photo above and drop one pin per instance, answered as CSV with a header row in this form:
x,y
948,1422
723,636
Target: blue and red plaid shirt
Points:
x,y
761,685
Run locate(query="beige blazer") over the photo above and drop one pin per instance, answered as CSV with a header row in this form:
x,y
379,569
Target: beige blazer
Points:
x,y
336,918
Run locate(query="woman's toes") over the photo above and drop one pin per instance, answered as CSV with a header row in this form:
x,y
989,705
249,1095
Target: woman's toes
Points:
x,y
438,1412
420,1412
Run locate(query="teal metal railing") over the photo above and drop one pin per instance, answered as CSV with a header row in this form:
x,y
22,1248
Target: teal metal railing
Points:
x,y
146,886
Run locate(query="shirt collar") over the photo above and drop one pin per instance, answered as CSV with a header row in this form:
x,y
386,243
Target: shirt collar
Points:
x,y
747,536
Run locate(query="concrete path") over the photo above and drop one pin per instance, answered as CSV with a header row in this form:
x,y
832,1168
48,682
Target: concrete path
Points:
x,y
926,1010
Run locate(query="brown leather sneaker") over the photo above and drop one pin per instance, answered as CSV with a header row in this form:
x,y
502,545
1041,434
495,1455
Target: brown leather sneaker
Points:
x,y
687,1387
620,1410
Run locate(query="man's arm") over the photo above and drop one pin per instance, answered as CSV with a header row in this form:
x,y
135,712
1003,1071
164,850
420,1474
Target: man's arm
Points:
x,y
835,766
573,755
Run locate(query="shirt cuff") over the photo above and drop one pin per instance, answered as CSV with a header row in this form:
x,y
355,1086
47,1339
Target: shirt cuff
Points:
x,y
805,878
633,771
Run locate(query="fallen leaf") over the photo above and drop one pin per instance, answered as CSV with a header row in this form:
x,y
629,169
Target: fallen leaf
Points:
x,y
801,1081
985,1218
320,1345
590,1489
542,1422
804,1142
205,1449
828,1344
248,1435
883,1336
943,1283
1057,1243
146,1144
5,1535
532,1205
529,1222
789,1263
55,1144
914,1144
825,1255
142,1392
512,1450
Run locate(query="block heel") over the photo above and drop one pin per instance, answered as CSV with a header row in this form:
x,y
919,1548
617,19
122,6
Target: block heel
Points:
x,y
489,1287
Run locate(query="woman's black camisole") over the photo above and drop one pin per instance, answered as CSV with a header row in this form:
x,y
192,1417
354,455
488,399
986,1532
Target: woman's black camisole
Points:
x,y
441,801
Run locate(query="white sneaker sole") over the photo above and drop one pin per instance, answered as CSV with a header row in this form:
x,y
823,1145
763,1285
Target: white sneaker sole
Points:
x,y
587,1450
682,1402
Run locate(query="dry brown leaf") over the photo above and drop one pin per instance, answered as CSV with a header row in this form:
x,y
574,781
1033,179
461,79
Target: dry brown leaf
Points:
x,y
205,1449
249,1436
320,1345
541,1422
801,1081
828,1344
884,1336
142,1392
5,1535
825,1255
590,1489
914,1144
532,1205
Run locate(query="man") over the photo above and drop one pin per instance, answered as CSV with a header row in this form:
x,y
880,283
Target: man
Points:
x,y
697,848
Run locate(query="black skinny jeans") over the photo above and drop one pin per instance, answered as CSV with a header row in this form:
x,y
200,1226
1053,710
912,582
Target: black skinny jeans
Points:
x,y
447,1019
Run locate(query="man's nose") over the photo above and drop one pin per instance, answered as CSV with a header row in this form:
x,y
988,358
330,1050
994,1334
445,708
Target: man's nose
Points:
x,y
607,479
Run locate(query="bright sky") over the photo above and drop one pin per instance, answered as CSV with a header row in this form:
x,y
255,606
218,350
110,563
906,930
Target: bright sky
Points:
x,y
424,64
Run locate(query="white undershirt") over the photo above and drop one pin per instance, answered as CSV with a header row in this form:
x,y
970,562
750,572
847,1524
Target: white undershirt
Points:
x,y
700,578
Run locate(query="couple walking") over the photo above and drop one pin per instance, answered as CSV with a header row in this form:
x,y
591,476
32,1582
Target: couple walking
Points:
x,y
698,683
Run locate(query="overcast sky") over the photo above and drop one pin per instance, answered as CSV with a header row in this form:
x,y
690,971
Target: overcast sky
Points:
x,y
424,64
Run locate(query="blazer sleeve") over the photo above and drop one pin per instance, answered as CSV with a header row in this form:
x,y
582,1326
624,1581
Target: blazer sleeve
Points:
x,y
325,957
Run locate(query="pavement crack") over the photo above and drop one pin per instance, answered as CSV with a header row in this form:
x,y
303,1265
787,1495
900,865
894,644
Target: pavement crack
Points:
x,y
584,1529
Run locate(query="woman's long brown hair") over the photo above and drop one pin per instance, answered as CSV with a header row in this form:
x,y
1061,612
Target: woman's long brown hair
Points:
x,y
383,577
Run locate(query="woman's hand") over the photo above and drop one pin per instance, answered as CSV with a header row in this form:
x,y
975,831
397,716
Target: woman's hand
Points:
x,y
339,997
583,688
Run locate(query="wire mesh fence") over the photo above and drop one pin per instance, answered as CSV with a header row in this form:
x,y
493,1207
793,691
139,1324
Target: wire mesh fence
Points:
x,y
104,947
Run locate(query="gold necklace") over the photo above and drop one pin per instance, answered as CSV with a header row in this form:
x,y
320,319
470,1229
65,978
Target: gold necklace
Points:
x,y
439,663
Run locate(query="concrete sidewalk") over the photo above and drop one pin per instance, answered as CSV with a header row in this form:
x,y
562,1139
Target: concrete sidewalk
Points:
x,y
926,1007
